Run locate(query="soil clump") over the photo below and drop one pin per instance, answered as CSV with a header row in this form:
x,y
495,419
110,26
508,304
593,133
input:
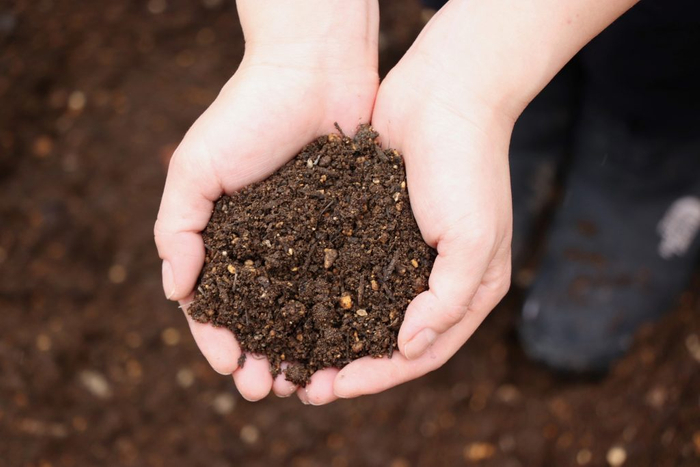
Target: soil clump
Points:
x,y
315,265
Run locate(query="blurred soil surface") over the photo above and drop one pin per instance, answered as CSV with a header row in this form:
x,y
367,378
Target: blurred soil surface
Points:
x,y
96,368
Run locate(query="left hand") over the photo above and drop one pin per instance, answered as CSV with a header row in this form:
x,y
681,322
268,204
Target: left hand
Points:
x,y
458,181
456,154
284,94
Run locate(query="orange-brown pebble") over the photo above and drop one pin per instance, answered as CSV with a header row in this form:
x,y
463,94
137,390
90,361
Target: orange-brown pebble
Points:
x,y
345,302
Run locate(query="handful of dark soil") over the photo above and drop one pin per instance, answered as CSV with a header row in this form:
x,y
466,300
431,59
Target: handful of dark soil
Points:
x,y
316,264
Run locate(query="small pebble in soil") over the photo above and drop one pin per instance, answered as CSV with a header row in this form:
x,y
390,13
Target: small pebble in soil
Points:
x,y
96,384
584,456
224,403
315,265
40,428
76,101
508,394
170,336
329,257
43,342
43,146
476,452
616,456
250,434
656,397
185,377
117,274
692,343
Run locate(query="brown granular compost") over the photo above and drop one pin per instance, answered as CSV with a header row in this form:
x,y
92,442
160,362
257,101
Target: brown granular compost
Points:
x,y
315,265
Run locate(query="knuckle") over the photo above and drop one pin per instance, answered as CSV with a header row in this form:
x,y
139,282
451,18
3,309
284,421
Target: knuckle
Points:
x,y
472,237
159,235
453,314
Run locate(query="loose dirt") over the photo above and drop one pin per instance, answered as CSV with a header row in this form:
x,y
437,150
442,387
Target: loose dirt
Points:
x,y
316,264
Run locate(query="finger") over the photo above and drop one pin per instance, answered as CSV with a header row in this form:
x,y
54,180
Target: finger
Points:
x,y
253,380
457,185
280,386
370,375
185,209
218,345
495,283
319,390
456,275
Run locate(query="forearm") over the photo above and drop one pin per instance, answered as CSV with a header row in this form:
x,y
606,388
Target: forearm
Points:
x,y
504,52
321,33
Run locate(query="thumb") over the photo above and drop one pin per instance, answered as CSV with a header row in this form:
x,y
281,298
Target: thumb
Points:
x,y
188,198
468,277
185,208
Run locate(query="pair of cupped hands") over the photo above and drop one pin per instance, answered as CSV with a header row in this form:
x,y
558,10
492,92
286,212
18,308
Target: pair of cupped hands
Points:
x,y
290,88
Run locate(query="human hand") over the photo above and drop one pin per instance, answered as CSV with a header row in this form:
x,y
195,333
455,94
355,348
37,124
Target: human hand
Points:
x,y
449,107
454,140
458,181
291,87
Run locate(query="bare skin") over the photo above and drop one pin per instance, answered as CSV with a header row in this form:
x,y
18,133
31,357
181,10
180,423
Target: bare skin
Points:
x,y
449,106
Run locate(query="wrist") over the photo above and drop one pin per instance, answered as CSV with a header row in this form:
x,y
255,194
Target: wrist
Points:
x,y
317,34
502,53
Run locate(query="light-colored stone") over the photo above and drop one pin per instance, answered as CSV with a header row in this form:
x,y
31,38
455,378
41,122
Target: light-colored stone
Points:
x,y
616,456
224,403
329,257
185,377
345,302
117,274
479,451
43,342
584,456
250,434
170,336
77,101
96,383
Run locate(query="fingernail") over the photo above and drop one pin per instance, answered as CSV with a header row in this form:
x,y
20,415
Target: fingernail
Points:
x,y
340,395
289,394
338,377
419,344
168,280
310,401
283,395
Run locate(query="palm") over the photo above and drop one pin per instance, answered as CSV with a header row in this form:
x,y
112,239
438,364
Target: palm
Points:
x,y
263,117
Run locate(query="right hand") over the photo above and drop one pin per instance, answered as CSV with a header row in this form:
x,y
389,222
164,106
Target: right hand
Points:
x,y
281,97
455,147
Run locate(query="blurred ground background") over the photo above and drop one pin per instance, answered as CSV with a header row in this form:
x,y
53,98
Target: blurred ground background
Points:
x,y
96,368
